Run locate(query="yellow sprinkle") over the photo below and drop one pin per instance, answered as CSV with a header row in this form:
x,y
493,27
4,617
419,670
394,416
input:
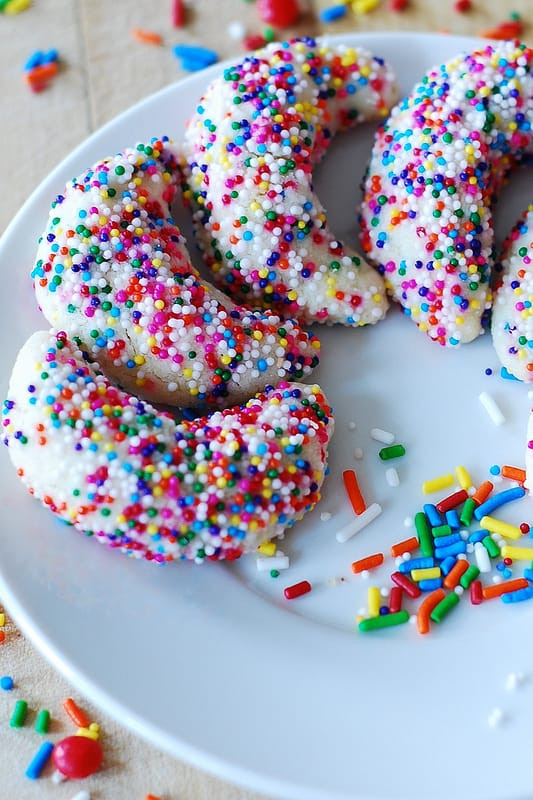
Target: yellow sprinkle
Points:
x,y
425,574
503,528
374,601
2,620
139,360
268,548
463,477
16,6
436,484
518,553
92,732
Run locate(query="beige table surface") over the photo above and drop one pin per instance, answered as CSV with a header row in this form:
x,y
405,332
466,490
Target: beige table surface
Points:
x,y
103,72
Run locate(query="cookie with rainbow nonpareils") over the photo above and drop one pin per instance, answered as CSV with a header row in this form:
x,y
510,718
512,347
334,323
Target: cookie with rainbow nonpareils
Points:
x,y
135,479
512,310
113,270
435,170
250,151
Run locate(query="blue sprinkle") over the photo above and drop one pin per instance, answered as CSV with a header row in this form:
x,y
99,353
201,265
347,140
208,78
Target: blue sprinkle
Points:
x,y
35,60
430,584
39,760
332,13
6,683
518,596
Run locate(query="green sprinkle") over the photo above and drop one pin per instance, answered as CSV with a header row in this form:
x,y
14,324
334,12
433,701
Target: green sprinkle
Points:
x,y
491,547
384,621
424,534
468,512
42,721
469,576
441,530
394,451
19,714
444,607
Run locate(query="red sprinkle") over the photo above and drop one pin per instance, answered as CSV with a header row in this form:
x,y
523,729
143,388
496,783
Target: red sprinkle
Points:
x,y
463,6
407,585
178,13
297,590
524,527
254,42
280,13
452,501
395,599
398,5
476,593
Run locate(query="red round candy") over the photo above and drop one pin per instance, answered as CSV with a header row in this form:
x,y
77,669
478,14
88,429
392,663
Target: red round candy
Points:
x,y
77,756
280,13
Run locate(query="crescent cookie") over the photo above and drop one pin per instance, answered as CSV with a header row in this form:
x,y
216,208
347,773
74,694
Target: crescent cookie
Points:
x,y
250,151
436,167
113,270
512,311
137,480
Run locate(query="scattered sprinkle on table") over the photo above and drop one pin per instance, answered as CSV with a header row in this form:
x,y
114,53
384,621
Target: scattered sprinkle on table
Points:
x,y
148,37
194,58
38,762
6,683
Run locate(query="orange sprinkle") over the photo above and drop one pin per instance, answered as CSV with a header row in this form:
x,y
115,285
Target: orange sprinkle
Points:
x,y
368,563
407,546
497,589
151,797
38,75
76,714
354,492
483,492
425,609
515,473
455,574
2,637
148,37
506,30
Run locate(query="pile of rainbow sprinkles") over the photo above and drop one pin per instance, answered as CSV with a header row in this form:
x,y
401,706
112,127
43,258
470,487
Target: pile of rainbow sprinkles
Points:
x,y
460,549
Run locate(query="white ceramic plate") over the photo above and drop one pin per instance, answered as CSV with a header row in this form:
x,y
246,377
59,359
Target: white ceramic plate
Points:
x,y
212,664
